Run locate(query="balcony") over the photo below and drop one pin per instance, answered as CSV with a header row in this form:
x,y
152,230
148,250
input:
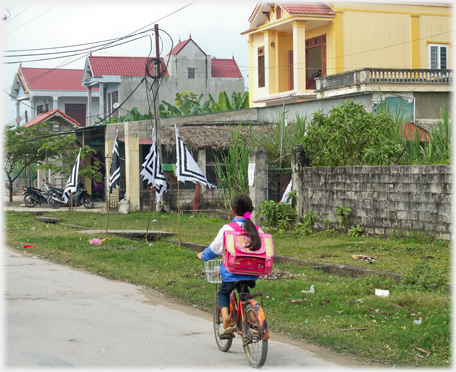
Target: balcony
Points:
x,y
373,79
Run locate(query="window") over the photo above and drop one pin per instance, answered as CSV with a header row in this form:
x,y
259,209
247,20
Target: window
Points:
x,y
279,12
438,56
261,69
39,109
191,72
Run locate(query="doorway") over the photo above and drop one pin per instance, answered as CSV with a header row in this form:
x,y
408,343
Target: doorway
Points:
x,y
315,60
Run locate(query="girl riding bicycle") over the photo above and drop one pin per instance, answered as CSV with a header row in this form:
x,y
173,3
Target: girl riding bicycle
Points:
x,y
241,207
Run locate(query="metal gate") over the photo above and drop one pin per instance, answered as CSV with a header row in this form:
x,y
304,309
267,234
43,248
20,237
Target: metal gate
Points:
x,y
278,180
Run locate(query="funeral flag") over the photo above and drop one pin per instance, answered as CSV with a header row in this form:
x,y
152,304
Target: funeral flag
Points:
x,y
72,183
114,171
152,170
186,167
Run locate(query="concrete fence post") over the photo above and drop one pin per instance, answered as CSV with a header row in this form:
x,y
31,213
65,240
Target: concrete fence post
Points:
x,y
132,165
259,190
298,160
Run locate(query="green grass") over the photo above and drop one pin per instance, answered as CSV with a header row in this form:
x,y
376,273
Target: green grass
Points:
x,y
388,334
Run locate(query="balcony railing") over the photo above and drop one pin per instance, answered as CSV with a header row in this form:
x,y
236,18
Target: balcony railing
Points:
x,y
383,76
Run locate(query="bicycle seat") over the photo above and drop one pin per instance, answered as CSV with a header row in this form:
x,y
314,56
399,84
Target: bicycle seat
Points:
x,y
248,283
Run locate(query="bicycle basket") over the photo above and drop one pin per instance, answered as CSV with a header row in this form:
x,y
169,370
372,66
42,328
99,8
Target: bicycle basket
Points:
x,y
213,271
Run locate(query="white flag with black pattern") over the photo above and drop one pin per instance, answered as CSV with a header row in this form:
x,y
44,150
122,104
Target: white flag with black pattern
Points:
x,y
152,170
186,167
72,183
114,170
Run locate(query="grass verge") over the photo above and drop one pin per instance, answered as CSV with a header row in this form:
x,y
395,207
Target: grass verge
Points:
x,y
343,313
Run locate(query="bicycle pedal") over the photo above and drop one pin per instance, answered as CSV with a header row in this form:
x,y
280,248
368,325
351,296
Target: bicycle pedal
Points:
x,y
226,337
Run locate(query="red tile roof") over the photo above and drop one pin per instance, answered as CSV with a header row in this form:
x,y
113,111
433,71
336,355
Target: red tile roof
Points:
x,y
53,79
225,68
410,129
45,116
122,66
181,44
307,8
142,141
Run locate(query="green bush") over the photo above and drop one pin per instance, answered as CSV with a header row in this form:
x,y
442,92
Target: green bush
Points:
x,y
276,215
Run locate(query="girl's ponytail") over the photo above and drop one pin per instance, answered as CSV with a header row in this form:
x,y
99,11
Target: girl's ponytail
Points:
x,y
242,206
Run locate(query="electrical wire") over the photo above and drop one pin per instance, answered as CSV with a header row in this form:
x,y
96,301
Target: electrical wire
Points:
x,y
32,19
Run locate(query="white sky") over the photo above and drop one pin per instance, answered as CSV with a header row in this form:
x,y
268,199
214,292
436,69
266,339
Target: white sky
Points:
x,y
214,25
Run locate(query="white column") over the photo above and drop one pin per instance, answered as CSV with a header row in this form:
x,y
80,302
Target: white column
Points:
x,y
32,108
89,106
18,110
55,102
102,100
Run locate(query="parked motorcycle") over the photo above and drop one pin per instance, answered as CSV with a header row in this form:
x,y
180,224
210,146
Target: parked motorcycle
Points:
x,y
32,196
55,198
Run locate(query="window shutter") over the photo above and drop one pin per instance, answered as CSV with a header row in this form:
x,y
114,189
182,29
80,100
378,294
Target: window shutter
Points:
x,y
434,57
443,57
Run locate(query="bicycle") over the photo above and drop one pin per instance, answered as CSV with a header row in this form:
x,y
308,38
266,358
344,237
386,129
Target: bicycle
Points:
x,y
246,315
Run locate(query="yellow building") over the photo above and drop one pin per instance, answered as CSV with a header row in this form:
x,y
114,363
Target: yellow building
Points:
x,y
291,44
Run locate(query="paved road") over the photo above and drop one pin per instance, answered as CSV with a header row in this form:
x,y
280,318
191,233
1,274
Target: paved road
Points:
x,y
61,317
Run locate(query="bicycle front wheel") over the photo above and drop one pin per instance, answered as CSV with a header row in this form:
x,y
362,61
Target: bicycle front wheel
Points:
x,y
255,348
222,344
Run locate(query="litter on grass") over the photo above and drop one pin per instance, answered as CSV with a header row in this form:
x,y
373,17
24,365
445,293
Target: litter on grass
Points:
x,y
361,257
29,246
312,290
418,321
382,292
97,241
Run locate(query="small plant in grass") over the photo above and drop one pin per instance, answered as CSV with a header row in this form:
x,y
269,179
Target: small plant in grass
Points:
x,y
292,198
276,215
424,276
308,222
355,231
341,213
326,223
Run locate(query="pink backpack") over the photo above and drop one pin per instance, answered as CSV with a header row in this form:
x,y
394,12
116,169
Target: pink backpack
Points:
x,y
240,260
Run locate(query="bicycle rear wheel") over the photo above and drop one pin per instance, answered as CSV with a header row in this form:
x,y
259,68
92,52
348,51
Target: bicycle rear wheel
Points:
x,y
223,345
255,348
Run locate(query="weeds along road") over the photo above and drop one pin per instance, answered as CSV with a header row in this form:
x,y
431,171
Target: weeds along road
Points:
x,y
57,316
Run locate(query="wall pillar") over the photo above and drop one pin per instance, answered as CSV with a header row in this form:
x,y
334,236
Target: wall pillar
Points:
x,y
55,102
102,101
270,60
339,41
132,164
110,136
299,55
89,106
251,70
32,108
259,191
18,111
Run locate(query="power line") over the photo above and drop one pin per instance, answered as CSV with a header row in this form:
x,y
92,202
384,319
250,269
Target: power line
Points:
x,y
32,19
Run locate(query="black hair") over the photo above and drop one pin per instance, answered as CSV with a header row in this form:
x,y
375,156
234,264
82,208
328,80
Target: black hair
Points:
x,y
242,204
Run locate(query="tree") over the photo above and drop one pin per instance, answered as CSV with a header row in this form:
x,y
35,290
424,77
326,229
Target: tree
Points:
x,y
21,150
349,135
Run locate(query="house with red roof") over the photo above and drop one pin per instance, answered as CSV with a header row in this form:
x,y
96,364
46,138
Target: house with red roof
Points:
x,y
40,90
186,67
58,122
303,51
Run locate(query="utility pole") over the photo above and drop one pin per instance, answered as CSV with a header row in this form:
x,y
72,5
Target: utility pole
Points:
x,y
156,84
156,103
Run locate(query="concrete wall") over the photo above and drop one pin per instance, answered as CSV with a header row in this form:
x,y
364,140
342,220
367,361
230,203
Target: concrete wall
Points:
x,y
307,108
382,198
428,104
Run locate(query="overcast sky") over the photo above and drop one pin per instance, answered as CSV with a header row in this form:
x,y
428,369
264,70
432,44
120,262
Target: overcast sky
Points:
x,y
214,25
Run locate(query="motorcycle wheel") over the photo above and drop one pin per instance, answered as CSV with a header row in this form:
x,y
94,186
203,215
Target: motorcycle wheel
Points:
x,y
54,203
88,202
29,201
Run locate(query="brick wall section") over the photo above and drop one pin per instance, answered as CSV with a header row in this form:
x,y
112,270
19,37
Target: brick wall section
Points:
x,y
382,198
